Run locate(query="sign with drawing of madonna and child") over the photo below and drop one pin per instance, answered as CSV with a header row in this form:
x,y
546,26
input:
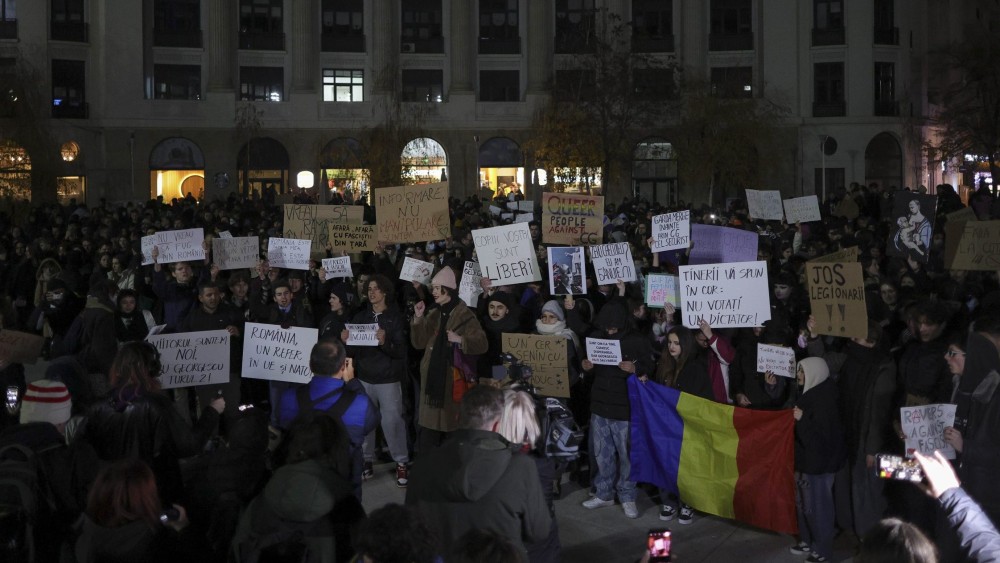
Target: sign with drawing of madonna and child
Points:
x,y
912,226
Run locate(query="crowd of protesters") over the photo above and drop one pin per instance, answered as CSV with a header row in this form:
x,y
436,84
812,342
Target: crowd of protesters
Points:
x,y
132,471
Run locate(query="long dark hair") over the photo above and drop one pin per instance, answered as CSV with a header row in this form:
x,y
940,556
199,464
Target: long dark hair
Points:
x,y
134,371
124,492
670,367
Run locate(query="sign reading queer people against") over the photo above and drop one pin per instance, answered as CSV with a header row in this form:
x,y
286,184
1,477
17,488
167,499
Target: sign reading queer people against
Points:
x,y
506,254
174,246
362,334
190,359
924,427
613,262
416,271
972,245
339,267
802,209
662,289
413,213
765,205
235,253
278,354
572,219
778,360
671,231
469,289
353,238
837,298
547,358
20,347
288,253
311,222
716,245
725,295
604,351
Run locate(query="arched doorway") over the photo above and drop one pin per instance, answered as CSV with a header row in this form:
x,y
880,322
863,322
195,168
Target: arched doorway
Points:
x,y
15,171
654,171
501,167
263,164
424,161
341,169
884,161
176,168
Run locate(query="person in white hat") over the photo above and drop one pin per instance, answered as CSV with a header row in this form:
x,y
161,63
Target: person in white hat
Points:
x,y
47,401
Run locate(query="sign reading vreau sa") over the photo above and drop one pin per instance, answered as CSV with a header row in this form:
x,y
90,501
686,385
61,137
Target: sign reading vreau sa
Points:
x,y
572,219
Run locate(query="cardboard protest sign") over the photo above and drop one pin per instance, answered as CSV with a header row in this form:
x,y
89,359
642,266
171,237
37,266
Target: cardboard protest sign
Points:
x,y
972,245
662,289
416,270
671,231
289,253
506,254
849,254
469,289
613,262
779,360
20,347
567,270
837,298
963,214
604,351
278,354
547,358
236,253
190,359
174,246
913,226
802,209
924,427
572,219
765,204
736,294
716,245
311,222
339,267
353,237
362,334
413,213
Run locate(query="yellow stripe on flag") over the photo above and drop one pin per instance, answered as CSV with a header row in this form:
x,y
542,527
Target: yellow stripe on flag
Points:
x,y
707,473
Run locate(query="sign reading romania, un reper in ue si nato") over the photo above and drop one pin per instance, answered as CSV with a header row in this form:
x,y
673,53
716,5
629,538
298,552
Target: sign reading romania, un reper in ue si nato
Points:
x,y
278,354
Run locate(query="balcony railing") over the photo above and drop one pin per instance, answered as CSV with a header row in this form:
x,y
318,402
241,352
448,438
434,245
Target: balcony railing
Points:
x,y
331,42
262,40
828,36
8,29
69,31
888,108
69,110
829,109
430,45
887,36
730,42
653,43
188,38
491,46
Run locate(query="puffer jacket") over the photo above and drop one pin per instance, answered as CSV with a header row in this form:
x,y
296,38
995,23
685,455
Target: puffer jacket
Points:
x,y
386,363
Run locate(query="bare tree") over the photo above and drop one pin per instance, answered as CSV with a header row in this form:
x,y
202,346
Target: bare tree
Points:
x,y
28,153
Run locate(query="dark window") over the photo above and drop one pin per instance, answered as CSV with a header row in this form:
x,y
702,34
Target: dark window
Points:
x,y
423,85
732,82
828,22
68,22
575,85
575,26
343,25
886,32
828,96
731,25
653,26
69,89
420,27
499,86
885,89
177,82
177,23
262,83
262,25
343,85
8,19
653,83
498,27
835,180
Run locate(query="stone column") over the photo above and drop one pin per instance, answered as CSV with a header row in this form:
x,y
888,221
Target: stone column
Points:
x,y
221,38
463,52
304,45
540,45
383,28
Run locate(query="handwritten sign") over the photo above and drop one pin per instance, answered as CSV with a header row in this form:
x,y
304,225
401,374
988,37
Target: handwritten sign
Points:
x,y
362,334
778,360
572,219
289,253
924,427
725,295
849,254
339,267
235,253
174,246
311,222
278,354
972,245
613,262
604,351
662,289
413,213
716,245
547,358
837,298
506,254
671,231
469,289
416,270
802,209
963,214
190,359
20,347
225,234
765,205
353,237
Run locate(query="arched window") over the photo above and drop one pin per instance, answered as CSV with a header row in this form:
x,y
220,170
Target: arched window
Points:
x,y
501,167
341,169
424,161
176,168
884,161
263,165
15,171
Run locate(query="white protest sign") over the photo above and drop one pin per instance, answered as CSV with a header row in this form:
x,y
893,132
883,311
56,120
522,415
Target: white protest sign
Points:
x,y
524,218
506,254
662,289
193,358
339,267
778,360
174,246
235,253
924,427
362,334
765,205
469,289
802,209
156,330
613,262
225,234
289,253
734,294
507,216
604,352
278,354
671,231
494,210
416,271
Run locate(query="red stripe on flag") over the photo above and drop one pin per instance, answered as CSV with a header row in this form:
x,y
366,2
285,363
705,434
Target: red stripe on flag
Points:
x,y
765,490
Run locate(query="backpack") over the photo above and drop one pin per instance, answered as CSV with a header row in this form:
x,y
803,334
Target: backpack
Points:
x,y
561,436
22,500
272,539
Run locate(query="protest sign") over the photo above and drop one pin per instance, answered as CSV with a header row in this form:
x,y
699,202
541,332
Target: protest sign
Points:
x,y
924,427
413,213
174,246
972,245
20,347
604,352
849,254
494,210
526,205
572,219
736,294
963,214
837,298
416,270
662,289
913,226
506,254
716,245
190,359
613,262
362,334
289,253
507,217
311,222
671,231
802,209
524,218
778,360
567,269
765,205
225,234
278,354
339,267
469,289
547,358
236,253
352,237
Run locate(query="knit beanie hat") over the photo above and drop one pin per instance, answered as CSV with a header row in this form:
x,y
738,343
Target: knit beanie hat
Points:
x,y
553,307
445,278
342,290
46,401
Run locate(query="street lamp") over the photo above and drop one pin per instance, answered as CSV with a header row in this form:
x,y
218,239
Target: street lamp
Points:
x,y
304,180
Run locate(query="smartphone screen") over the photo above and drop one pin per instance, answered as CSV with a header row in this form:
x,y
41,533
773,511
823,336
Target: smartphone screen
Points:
x,y
12,393
898,468
658,543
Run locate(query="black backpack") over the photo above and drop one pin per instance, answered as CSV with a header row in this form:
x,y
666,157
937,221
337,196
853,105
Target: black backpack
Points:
x,y
561,436
23,500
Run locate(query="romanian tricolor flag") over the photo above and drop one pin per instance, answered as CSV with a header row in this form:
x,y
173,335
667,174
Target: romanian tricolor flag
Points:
x,y
732,462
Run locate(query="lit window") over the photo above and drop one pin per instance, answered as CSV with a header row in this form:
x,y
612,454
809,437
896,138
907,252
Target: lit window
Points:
x,y
343,85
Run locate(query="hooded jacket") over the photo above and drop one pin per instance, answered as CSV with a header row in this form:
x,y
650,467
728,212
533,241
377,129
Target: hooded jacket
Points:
x,y
979,404
609,394
819,438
